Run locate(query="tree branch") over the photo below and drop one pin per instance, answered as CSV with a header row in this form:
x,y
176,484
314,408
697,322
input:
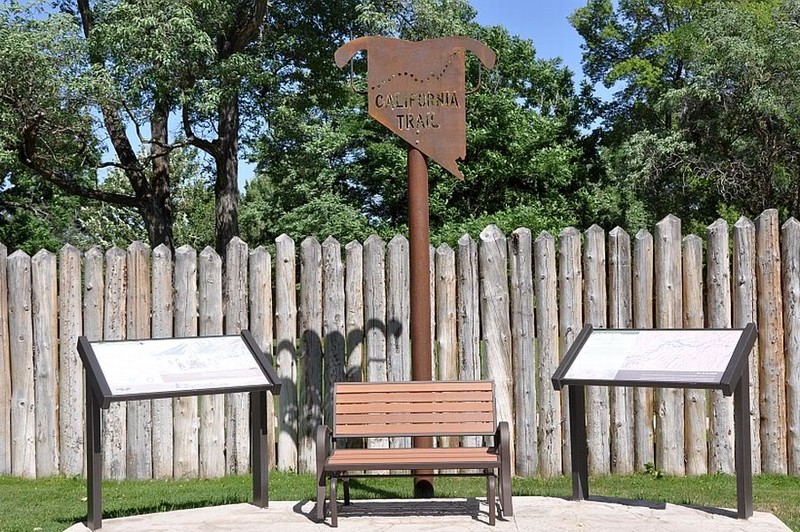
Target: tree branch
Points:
x,y
209,147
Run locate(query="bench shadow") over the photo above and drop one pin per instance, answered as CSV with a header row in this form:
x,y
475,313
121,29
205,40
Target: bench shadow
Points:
x,y
392,509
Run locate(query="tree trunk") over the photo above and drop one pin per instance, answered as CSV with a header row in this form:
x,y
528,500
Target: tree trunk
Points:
x,y
227,161
159,219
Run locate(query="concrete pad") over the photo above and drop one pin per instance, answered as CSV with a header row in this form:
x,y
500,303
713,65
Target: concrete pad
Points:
x,y
530,514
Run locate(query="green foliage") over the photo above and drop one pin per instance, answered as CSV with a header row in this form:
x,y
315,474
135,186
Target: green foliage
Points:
x,y
704,123
325,165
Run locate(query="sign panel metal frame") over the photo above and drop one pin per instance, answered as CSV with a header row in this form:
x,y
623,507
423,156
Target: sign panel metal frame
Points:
x,y
99,395
734,380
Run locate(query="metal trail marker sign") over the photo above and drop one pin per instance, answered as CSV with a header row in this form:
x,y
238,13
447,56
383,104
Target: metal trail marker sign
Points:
x,y
417,90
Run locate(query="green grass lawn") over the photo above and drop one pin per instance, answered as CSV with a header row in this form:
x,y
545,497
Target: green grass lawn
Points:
x,y
56,503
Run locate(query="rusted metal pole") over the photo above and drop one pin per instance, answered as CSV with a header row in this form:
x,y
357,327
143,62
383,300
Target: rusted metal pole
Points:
x,y
419,249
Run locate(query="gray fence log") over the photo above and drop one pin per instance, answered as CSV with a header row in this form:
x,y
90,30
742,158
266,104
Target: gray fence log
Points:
x,y
695,401
261,326
286,351
23,406
595,301
520,254
310,324
114,328
790,255
745,310
770,342
496,323
333,320
211,436
70,368
398,318
186,423
5,369
354,307
44,298
570,312
670,439
549,407
643,283
468,327
718,290
620,316
162,327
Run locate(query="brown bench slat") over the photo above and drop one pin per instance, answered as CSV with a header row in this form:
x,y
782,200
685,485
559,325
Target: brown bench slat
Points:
x,y
403,417
358,408
410,429
357,388
416,397
407,459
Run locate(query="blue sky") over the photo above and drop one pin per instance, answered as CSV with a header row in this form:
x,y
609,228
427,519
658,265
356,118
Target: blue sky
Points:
x,y
542,21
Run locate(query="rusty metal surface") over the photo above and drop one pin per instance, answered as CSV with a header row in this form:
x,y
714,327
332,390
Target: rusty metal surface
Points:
x,y
416,89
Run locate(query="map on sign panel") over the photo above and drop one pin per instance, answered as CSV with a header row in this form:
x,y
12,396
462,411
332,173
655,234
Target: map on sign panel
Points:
x,y
177,365
699,356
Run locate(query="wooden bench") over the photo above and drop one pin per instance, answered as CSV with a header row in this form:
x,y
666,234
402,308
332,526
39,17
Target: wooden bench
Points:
x,y
401,409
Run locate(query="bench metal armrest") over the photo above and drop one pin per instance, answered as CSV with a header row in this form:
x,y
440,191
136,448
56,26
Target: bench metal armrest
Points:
x,y
324,444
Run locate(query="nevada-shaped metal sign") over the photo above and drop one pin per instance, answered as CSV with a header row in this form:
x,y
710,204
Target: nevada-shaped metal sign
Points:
x,y
416,89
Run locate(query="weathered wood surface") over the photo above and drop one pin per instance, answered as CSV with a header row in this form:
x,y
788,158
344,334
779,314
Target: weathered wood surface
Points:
x,y
114,327
523,351
496,323
770,342
718,290
211,436
790,256
44,299
333,316
549,408
162,327
643,284
93,303
595,301
310,325
745,310
70,368
375,316
186,422
620,316
669,402
23,406
140,413
286,351
398,318
237,405
570,311
468,313
695,401
261,326
354,307
445,311
5,369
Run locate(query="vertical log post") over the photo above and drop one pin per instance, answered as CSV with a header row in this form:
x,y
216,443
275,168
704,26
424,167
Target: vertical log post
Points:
x,y
790,253
286,351
643,264
570,307
70,381
310,324
186,423
163,414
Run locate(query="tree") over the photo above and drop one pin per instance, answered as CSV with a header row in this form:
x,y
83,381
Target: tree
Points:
x,y
704,124
523,143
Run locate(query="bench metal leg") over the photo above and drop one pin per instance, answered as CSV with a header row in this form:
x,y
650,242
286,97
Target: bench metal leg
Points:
x,y
491,481
346,482
321,498
334,520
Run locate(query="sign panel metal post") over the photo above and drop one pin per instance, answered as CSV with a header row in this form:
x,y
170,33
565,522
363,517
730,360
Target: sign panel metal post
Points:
x,y
94,461
660,359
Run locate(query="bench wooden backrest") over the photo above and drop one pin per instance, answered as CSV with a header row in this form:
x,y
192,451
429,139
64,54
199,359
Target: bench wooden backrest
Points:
x,y
437,408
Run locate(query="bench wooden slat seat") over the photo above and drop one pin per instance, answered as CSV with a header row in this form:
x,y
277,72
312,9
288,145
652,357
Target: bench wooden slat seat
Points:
x,y
438,408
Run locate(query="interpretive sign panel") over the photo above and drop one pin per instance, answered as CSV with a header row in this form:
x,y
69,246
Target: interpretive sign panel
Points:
x,y
673,356
175,367
660,358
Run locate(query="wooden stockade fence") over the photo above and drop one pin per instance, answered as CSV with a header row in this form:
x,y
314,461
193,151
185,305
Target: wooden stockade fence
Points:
x,y
505,308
